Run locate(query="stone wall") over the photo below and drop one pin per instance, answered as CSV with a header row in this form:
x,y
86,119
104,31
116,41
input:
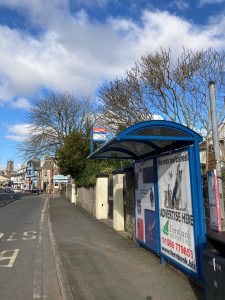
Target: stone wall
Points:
x,y
69,192
86,199
129,202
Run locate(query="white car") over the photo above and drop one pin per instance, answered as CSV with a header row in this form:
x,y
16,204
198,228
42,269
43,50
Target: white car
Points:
x,y
17,190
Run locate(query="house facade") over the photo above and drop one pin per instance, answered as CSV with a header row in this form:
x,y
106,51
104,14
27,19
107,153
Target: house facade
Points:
x,y
32,175
19,179
47,172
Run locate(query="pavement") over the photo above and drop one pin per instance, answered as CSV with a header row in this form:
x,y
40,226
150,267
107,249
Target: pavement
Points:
x,y
95,262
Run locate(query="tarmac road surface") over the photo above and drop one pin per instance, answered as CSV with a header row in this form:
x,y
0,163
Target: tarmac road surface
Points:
x,y
27,266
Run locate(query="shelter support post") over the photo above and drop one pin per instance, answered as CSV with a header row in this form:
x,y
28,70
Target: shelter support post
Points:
x,y
102,196
118,203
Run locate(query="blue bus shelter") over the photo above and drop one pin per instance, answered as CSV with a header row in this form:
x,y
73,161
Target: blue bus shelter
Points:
x,y
169,211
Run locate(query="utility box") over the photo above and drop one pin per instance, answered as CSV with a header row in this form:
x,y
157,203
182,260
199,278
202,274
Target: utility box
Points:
x,y
214,276
214,266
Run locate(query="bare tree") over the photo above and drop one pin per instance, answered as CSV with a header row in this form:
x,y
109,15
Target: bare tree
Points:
x,y
123,103
176,88
52,119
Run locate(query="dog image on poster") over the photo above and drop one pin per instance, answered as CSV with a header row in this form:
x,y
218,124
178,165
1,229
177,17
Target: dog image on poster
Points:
x,y
173,198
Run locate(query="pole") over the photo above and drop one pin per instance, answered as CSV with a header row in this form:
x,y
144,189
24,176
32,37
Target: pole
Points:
x,y
91,141
215,136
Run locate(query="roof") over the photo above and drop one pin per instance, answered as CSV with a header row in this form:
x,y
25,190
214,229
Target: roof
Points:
x,y
3,178
49,165
147,139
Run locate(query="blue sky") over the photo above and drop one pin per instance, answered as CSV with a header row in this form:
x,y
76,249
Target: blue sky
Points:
x,y
74,45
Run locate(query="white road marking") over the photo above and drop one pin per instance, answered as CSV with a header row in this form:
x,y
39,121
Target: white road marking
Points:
x,y
29,235
11,259
11,237
38,283
1,235
3,204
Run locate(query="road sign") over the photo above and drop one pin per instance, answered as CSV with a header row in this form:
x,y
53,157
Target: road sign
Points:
x,y
99,134
60,179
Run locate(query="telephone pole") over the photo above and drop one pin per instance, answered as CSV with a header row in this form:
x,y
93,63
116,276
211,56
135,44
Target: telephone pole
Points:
x,y
215,136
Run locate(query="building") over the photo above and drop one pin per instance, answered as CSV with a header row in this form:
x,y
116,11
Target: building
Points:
x,y
47,172
19,179
32,176
9,168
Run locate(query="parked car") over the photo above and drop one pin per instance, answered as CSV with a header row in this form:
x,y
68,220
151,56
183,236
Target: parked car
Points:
x,y
17,190
8,189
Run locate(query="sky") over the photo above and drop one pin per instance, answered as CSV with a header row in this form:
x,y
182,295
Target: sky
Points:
x,y
75,45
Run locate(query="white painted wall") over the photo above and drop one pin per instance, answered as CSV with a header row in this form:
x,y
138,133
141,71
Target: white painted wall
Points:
x,y
73,196
118,205
102,198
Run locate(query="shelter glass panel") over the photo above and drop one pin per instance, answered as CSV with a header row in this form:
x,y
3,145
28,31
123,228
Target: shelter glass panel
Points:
x,y
176,214
114,154
146,231
138,148
158,131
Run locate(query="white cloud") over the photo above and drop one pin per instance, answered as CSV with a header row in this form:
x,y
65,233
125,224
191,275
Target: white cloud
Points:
x,y
157,117
18,132
16,138
76,54
205,2
21,103
180,4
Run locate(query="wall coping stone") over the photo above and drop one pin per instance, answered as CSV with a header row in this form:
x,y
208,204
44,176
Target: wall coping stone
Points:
x,y
102,175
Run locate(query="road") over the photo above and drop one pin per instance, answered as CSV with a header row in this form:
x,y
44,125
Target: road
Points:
x,y
27,265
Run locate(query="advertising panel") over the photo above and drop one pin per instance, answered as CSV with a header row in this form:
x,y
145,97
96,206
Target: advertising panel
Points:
x,y
145,201
150,229
175,207
214,207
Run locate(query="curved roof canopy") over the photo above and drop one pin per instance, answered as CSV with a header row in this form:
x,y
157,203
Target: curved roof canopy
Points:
x,y
147,139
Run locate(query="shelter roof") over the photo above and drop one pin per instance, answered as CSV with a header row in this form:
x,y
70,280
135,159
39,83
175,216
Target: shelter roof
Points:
x,y
147,139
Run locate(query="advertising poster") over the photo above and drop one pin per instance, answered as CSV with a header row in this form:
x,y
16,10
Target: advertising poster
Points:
x,y
140,229
144,193
150,229
175,207
214,207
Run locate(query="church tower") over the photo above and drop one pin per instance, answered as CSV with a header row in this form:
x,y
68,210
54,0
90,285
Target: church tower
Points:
x,y
10,167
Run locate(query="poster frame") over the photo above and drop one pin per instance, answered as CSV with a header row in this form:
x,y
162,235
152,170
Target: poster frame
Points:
x,y
139,242
214,201
194,195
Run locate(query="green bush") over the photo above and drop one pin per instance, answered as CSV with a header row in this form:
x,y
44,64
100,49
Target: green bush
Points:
x,y
87,176
72,160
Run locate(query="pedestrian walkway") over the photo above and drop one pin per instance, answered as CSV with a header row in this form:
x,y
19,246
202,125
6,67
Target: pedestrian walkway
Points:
x,y
101,264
